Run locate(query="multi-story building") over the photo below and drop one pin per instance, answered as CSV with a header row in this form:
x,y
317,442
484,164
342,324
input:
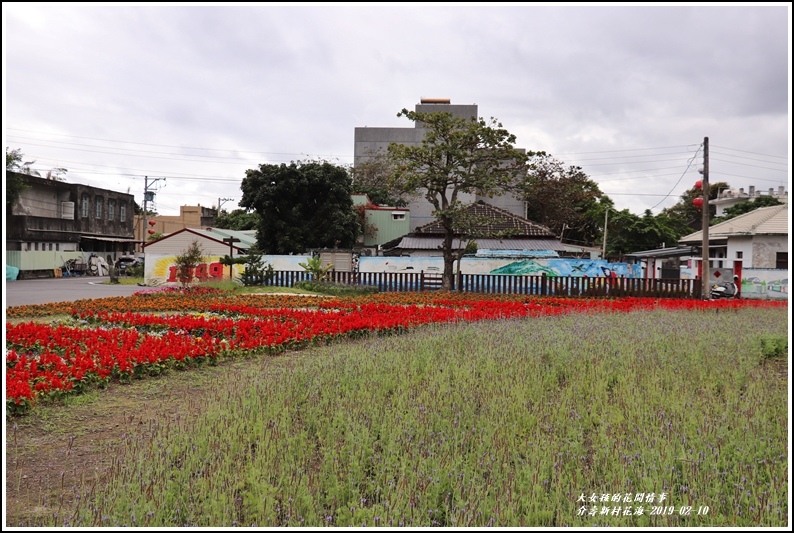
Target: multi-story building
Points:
x,y
730,197
54,221
370,141
190,216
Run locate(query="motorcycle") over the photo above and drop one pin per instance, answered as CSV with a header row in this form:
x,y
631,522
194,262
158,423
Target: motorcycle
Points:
x,y
726,289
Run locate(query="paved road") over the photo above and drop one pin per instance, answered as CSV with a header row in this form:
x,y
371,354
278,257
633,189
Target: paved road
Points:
x,y
42,291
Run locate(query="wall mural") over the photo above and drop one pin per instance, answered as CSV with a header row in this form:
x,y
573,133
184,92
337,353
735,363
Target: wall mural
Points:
x,y
162,268
524,267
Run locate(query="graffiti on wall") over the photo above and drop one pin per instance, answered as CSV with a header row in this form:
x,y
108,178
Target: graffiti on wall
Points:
x,y
526,267
162,268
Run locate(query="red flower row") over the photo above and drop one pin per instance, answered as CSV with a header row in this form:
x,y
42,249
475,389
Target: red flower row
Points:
x,y
45,359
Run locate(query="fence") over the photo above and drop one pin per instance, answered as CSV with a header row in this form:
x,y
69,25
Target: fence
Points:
x,y
541,285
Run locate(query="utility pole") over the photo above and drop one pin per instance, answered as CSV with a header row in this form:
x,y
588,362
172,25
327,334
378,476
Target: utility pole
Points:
x,y
222,201
604,245
705,260
147,195
231,241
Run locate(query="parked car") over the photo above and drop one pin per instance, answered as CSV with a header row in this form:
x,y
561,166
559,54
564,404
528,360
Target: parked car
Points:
x,y
126,262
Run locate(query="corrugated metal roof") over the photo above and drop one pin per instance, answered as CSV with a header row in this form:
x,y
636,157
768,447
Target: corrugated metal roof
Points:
x,y
763,221
434,243
663,252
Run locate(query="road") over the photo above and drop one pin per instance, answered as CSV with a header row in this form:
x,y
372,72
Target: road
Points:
x,y
50,290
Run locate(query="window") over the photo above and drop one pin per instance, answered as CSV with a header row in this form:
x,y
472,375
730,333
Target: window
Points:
x,y
111,209
50,246
57,246
739,255
397,216
36,249
781,260
98,206
84,205
122,212
27,246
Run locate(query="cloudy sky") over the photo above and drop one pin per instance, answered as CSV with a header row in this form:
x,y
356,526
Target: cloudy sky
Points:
x,y
194,95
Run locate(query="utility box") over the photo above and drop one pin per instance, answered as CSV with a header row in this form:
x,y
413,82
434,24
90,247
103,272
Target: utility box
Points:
x,y
342,261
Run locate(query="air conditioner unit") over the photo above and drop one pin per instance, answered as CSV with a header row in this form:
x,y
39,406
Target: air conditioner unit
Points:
x,y
67,210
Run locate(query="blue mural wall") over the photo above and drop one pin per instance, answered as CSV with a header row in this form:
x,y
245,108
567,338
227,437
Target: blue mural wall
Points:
x,y
520,267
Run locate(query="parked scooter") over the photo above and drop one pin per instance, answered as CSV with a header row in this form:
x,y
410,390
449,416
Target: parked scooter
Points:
x,y
726,289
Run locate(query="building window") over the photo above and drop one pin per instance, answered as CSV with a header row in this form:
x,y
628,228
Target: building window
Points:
x,y
84,206
739,255
98,206
122,212
398,216
27,246
36,245
111,209
57,246
50,246
781,260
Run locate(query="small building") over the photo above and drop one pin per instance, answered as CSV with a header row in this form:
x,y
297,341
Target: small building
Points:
x,y
190,216
54,222
503,231
215,243
730,197
381,223
754,246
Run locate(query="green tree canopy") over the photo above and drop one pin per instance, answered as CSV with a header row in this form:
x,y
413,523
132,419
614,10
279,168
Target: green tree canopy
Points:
x,y
688,213
371,177
15,182
237,220
456,156
301,206
628,233
746,206
564,199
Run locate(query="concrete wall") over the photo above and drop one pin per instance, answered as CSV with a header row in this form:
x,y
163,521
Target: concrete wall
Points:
x,y
481,265
765,249
160,267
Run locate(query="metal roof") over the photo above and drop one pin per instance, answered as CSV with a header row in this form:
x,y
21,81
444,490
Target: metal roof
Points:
x,y
663,252
496,220
762,221
434,243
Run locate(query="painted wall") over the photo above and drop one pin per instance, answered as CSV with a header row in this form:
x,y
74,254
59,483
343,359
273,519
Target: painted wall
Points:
x,y
160,269
481,265
767,283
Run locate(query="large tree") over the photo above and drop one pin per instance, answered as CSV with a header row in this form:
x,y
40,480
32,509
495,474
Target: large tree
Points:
x,y
688,213
456,156
371,177
301,206
15,182
238,220
564,199
628,233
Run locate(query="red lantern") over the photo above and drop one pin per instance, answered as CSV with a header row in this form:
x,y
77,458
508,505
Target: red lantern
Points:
x,y
699,184
153,222
697,202
151,232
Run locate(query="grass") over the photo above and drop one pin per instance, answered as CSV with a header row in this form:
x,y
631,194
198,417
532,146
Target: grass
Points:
x,y
231,286
505,423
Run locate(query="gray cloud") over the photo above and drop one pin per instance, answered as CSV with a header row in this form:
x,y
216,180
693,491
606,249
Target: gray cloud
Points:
x,y
114,93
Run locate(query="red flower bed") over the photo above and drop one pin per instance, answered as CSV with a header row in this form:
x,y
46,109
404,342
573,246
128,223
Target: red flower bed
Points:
x,y
49,360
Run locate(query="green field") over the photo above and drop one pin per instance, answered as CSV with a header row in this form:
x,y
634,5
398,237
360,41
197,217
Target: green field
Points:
x,y
501,423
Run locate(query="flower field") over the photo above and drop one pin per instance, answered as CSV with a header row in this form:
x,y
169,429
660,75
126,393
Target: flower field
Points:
x,y
178,328
210,409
